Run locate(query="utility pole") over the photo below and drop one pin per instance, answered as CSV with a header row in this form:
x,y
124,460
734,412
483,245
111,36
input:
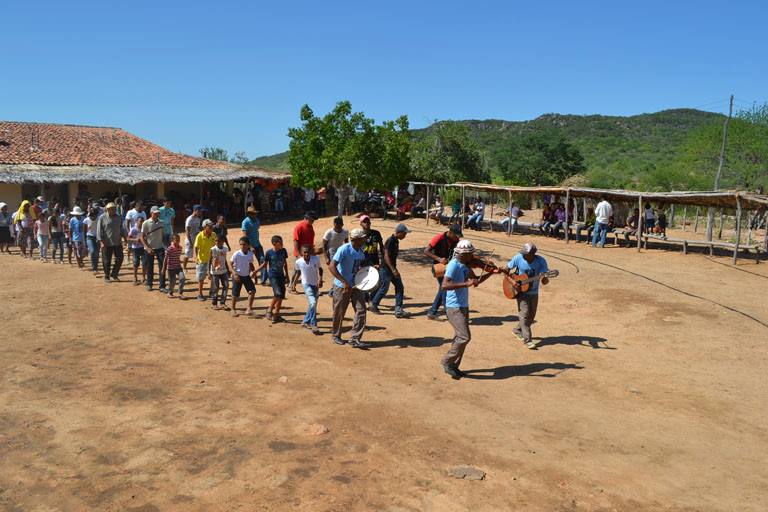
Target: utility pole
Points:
x,y
711,211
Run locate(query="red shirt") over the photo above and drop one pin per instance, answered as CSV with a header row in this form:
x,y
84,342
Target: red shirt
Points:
x,y
303,233
172,256
442,246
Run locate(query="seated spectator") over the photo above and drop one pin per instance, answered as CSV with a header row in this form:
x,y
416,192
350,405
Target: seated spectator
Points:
x,y
661,223
475,220
559,221
546,220
588,225
437,215
632,226
512,215
650,218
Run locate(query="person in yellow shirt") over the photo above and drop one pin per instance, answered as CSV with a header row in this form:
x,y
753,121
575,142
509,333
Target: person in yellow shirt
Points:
x,y
204,241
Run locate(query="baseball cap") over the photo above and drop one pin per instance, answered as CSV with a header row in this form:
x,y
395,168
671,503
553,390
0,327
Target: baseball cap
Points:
x,y
402,228
356,234
456,230
529,248
197,207
207,222
154,209
364,218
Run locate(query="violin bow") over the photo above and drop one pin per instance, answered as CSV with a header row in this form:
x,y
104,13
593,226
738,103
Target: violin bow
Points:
x,y
483,272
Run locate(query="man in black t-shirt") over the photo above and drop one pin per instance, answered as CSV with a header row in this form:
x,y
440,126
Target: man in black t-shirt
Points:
x,y
374,243
389,273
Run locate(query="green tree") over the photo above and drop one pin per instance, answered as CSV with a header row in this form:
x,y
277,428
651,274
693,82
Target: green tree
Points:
x,y
447,154
538,158
758,114
239,158
214,153
346,149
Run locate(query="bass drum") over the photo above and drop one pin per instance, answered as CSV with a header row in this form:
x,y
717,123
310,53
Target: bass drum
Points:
x,y
367,279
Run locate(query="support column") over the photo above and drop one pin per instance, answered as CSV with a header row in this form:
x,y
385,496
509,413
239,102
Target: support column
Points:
x,y
463,201
738,229
509,212
427,215
160,190
640,221
584,209
72,188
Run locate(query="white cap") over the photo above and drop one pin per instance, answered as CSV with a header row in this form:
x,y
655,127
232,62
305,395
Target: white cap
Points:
x,y
357,234
464,247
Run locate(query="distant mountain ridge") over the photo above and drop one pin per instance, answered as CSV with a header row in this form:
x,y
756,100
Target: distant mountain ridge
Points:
x,y
630,143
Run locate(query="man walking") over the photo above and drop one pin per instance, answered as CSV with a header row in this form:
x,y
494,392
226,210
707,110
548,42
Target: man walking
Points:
x,y
388,273
192,228
527,262
345,264
167,217
603,213
303,234
250,228
440,251
110,232
152,239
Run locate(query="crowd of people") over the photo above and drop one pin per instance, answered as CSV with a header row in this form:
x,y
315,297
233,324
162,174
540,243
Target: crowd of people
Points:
x,y
100,239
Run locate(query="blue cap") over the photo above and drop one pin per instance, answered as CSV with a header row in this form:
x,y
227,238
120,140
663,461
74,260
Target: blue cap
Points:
x,y
197,207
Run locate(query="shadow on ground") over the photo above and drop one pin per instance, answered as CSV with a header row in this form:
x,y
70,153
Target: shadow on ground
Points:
x,y
523,370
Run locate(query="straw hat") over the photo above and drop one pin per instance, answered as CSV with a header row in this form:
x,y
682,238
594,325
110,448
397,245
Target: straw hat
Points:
x,y
110,205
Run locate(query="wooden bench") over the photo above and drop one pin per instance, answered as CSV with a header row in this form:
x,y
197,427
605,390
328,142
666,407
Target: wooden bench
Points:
x,y
698,243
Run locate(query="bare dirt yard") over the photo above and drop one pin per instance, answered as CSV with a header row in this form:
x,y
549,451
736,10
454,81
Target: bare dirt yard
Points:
x,y
647,392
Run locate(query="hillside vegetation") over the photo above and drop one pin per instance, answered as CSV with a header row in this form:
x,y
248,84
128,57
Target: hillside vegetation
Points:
x,y
617,151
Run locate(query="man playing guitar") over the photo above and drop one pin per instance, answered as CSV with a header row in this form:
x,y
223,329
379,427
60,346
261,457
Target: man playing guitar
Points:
x,y
527,262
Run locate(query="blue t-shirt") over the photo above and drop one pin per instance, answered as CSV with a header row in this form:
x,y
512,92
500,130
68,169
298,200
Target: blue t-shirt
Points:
x,y
348,261
76,229
251,228
457,272
166,217
276,261
538,266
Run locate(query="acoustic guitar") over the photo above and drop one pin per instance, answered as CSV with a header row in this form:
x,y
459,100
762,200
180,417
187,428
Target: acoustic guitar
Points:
x,y
508,286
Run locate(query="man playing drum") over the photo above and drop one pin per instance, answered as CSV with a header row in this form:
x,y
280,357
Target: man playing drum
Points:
x,y
345,264
440,251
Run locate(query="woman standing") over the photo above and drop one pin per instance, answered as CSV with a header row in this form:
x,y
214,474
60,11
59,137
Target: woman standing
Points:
x,y
25,221
6,223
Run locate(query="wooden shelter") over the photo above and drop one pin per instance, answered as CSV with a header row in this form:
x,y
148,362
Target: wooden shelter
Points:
x,y
55,159
725,199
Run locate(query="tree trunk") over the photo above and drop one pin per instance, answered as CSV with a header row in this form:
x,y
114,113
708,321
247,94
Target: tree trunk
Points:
x,y
342,192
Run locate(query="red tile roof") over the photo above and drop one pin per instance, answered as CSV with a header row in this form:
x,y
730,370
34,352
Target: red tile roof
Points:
x,y
66,144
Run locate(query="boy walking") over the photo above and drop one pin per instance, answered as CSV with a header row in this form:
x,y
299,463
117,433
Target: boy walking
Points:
x,y
204,242
311,281
172,265
276,262
219,274
242,273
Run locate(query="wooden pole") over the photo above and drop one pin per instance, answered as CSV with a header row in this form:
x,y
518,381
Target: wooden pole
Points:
x,y
672,215
721,164
493,200
567,198
640,221
738,229
685,218
428,203
584,209
696,224
720,227
509,212
463,202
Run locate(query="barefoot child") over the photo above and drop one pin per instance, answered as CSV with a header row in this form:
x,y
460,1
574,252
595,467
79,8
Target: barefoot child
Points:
x,y
242,273
219,273
311,281
276,260
137,250
172,265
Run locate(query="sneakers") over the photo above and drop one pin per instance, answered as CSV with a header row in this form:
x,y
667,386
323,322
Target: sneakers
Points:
x,y
531,345
454,372
339,341
358,344
163,290
399,313
314,330
431,316
201,298
269,316
373,309
518,335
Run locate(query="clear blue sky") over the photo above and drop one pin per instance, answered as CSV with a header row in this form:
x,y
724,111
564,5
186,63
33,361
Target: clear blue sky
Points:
x,y
234,74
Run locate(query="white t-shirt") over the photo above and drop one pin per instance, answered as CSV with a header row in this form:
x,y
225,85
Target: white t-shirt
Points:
x,y
241,262
219,260
91,225
649,215
132,215
603,211
193,225
310,271
335,240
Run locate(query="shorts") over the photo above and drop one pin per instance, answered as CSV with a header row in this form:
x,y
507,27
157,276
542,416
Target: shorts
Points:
x,y
138,256
201,271
277,282
188,249
246,282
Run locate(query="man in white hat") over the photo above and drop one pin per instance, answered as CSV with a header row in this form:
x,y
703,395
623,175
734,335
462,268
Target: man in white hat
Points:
x,y
345,264
456,283
152,237
110,232
529,263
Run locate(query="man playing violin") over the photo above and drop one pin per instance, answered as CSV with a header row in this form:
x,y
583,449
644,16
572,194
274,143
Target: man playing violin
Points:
x,y
529,263
440,251
458,279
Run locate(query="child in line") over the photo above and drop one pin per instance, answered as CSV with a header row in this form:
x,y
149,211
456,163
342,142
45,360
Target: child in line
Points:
x,y
276,261
137,249
219,274
243,273
56,229
311,281
42,233
172,265
77,235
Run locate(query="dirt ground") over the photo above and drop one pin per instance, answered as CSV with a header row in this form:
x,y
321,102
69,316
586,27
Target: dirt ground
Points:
x,y
647,392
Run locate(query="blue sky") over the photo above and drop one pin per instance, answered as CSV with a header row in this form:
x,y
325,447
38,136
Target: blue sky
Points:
x,y
234,74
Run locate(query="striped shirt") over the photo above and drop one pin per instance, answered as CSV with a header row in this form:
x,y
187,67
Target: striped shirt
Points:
x,y
173,256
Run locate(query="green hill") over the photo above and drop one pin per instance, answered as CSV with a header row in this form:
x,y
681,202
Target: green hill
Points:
x,y
610,144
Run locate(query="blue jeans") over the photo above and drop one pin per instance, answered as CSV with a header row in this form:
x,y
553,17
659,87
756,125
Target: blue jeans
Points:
x,y
312,293
386,277
259,252
93,251
475,220
149,264
601,229
439,297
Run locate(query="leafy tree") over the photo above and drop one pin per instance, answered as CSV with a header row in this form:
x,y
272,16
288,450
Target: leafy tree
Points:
x,y
214,153
347,149
758,114
447,154
239,158
538,158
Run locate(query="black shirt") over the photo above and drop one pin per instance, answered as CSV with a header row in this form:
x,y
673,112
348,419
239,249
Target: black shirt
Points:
x,y
371,248
392,247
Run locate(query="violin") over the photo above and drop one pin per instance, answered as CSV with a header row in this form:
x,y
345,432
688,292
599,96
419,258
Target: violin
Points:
x,y
487,266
